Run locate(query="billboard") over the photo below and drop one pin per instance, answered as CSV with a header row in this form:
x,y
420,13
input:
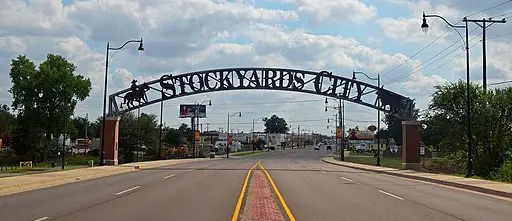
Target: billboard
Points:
x,y
189,110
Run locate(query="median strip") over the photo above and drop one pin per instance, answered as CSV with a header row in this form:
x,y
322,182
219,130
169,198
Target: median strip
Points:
x,y
279,196
238,206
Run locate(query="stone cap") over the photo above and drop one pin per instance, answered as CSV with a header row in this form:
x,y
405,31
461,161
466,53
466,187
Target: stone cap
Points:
x,y
412,122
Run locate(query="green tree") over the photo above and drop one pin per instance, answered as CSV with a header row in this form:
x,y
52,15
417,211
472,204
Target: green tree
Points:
x,y
173,137
275,124
491,125
7,120
133,131
80,123
46,96
394,124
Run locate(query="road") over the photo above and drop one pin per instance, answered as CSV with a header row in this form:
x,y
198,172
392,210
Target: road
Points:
x,y
209,190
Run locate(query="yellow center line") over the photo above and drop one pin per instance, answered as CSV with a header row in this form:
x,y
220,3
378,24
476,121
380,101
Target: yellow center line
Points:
x,y
236,213
281,199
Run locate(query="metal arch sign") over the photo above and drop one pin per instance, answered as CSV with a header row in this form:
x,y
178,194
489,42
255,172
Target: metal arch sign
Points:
x,y
320,83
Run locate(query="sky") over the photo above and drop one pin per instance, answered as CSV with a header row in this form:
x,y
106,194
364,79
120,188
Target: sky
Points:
x,y
180,36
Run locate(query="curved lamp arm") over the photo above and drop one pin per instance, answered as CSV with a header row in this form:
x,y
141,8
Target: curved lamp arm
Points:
x,y
359,72
448,23
130,41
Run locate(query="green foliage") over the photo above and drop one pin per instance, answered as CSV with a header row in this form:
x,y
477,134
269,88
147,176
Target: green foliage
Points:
x,y
491,116
504,173
45,97
394,129
7,120
133,131
275,124
173,137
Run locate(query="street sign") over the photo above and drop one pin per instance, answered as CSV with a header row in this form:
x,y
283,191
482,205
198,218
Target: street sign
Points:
x,y
230,139
190,110
372,128
339,132
197,135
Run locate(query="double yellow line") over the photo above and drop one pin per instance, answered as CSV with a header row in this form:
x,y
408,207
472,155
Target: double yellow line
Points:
x,y
244,188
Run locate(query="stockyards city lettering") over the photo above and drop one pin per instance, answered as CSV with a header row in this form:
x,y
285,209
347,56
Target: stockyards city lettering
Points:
x,y
320,83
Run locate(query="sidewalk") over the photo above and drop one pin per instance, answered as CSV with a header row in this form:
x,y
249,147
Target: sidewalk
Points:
x,y
483,186
11,185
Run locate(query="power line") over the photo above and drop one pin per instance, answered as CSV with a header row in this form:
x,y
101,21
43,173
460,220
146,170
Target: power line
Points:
x,y
422,66
502,82
408,59
499,36
493,7
436,39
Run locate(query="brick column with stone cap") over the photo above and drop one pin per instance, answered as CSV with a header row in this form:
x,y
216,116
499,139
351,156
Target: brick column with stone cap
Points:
x,y
111,140
411,145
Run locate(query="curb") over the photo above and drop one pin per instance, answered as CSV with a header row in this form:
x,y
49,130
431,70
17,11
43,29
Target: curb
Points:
x,y
442,182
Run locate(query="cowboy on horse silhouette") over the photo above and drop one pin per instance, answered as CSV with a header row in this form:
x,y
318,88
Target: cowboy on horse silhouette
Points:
x,y
137,93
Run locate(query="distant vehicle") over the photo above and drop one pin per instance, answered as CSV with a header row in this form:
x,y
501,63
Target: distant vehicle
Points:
x,y
361,148
329,147
317,148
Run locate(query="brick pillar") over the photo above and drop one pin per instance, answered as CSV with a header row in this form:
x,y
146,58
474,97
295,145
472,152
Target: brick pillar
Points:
x,y
111,140
411,145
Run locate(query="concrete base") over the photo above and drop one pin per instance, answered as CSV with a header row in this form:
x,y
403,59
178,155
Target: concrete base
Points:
x,y
111,162
411,166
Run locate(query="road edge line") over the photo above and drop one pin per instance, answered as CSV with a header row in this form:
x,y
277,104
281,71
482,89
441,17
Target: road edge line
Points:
x,y
238,206
279,196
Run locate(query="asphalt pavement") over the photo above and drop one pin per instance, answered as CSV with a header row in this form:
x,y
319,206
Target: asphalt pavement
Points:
x,y
209,190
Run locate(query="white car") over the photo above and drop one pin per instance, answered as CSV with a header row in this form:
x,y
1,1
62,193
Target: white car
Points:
x,y
317,147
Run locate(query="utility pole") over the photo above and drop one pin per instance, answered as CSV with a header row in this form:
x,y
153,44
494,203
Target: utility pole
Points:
x,y
484,26
138,133
86,124
342,150
298,136
160,138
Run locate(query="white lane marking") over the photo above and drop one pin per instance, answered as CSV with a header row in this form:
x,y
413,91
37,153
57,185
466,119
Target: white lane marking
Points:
x,y
41,219
128,190
167,177
389,194
190,170
347,179
323,171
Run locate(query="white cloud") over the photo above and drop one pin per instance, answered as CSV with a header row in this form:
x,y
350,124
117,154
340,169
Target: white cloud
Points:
x,y
188,35
336,10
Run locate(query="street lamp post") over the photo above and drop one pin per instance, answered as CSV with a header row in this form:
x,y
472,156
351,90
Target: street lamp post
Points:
x,y
253,140
425,26
227,143
339,122
196,125
378,110
141,48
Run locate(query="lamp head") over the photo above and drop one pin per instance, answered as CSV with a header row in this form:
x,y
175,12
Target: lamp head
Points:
x,y
424,25
325,108
141,46
210,103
